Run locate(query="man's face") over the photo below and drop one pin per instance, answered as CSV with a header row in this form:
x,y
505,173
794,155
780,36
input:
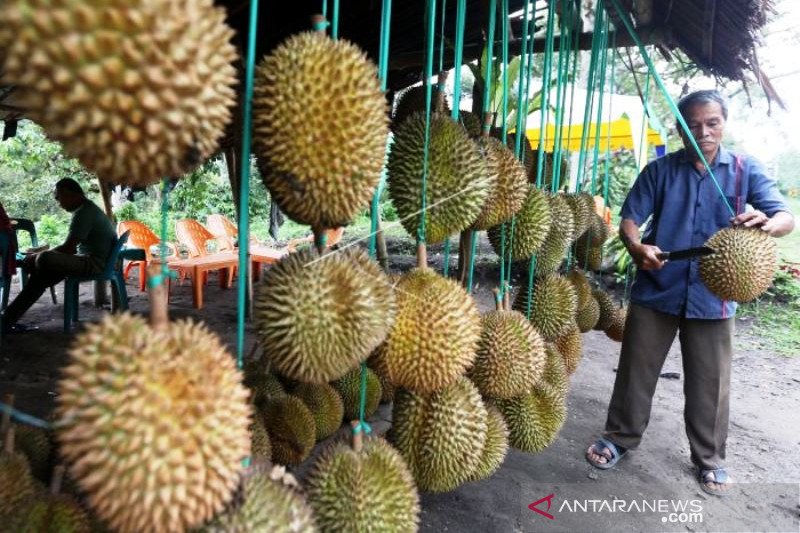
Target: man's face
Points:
x,y
68,200
707,124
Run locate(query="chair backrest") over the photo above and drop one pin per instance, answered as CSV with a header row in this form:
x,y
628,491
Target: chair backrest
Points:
x,y
24,224
113,256
140,236
221,226
334,236
193,235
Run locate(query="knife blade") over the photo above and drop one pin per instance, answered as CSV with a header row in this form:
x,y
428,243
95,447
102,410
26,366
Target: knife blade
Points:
x,y
688,253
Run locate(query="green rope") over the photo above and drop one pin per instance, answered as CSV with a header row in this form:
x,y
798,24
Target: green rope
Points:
x,y
531,271
441,38
504,62
522,85
487,76
431,25
597,37
545,108
646,115
600,91
166,273
335,21
561,73
607,169
575,52
674,108
325,9
461,13
244,193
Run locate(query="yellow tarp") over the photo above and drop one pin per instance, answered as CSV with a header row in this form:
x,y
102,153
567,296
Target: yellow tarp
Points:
x,y
619,130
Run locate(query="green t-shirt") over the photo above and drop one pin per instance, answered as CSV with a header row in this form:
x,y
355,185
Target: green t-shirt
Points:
x,y
93,231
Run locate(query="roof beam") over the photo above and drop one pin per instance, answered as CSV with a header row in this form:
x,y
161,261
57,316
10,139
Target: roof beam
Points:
x,y
709,14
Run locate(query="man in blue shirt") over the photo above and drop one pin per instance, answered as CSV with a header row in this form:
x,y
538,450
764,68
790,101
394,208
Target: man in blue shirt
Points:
x,y
684,207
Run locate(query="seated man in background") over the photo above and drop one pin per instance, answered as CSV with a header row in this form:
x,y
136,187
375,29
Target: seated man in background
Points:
x,y
83,253
8,230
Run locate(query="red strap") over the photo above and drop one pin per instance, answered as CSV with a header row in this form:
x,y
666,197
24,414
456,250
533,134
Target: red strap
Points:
x,y
739,172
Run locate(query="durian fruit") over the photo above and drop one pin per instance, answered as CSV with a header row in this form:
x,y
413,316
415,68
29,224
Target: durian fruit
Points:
x,y
509,184
134,90
441,435
260,446
153,423
291,427
510,357
589,246
570,346
527,154
581,211
547,170
51,512
435,335
16,483
743,265
608,309
35,444
494,452
412,101
530,227
457,183
553,305
534,419
583,289
319,128
325,405
269,499
555,372
617,328
388,388
560,236
587,316
349,387
263,385
369,489
471,122
319,316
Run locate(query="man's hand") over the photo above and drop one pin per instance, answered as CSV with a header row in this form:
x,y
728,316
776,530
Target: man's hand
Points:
x,y
750,219
30,261
778,225
646,256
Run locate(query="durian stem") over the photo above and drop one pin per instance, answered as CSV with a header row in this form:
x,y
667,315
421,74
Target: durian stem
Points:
x,y
422,255
159,314
441,82
318,23
358,436
507,298
56,480
6,423
8,444
498,301
488,120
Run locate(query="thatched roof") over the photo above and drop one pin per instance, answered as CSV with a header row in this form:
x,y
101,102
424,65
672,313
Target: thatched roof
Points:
x,y
719,35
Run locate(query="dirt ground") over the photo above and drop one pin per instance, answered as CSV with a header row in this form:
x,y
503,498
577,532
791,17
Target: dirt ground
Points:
x,y
764,435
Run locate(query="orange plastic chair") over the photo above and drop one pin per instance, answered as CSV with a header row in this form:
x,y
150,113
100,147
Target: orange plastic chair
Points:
x,y
334,236
140,236
222,228
193,235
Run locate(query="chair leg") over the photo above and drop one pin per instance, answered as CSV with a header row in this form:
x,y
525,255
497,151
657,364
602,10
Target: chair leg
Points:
x,y
69,287
119,284
53,294
5,289
142,275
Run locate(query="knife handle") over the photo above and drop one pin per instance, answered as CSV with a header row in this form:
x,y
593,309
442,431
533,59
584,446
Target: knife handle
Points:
x,y
663,256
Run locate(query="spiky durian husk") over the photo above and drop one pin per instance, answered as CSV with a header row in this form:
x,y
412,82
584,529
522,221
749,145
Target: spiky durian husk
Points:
x,y
291,428
553,305
412,101
153,423
263,385
580,211
555,372
471,122
570,346
534,419
441,435
496,447
589,246
608,309
349,387
457,182
743,265
134,91
527,154
269,500
509,184
319,316
587,316
16,483
616,330
560,236
388,389
369,490
435,335
319,128
530,227
583,289
35,444
547,171
260,446
325,405
46,513
510,357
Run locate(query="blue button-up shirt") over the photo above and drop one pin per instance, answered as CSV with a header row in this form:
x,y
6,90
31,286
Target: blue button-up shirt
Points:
x,y
686,209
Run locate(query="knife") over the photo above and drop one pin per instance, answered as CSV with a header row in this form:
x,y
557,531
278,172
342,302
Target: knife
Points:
x,y
688,253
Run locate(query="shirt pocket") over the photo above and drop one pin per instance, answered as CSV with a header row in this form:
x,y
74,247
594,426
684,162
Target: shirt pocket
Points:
x,y
723,215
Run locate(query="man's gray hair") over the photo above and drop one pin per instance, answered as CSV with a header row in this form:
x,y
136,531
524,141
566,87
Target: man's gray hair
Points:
x,y
702,97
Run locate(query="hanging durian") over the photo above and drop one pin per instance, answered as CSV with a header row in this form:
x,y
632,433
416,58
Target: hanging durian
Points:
x,y
51,512
534,419
367,487
616,330
561,234
457,182
570,346
153,423
441,435
325,405
743,263
553,305
555,372
608,309
291,427
35,444
587,316
581,211
349,387
16,483
319,316
260,446
134,90
496,447
412,101
527,232
509,184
